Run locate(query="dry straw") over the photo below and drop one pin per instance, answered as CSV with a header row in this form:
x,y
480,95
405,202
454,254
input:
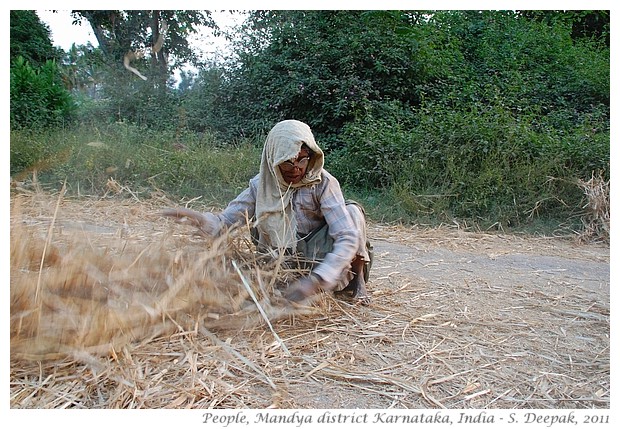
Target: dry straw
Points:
x,y
597,217
73,292
114,307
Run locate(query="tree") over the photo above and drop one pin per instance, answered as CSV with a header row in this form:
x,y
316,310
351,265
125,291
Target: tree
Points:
x,y
323,67
37,95
82,70
151,44
122,32
589,24
30,38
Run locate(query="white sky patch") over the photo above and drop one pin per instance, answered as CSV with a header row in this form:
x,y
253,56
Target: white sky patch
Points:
x,y
205,45
63,33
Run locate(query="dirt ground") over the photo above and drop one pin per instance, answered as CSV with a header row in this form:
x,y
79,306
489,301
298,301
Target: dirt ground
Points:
x,y
458,319
496,321
530,311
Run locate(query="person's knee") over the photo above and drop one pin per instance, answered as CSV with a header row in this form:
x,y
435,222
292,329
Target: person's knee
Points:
x,y
356,213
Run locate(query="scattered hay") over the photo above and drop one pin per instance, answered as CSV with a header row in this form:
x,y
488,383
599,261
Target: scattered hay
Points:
x,y
75,292
114,308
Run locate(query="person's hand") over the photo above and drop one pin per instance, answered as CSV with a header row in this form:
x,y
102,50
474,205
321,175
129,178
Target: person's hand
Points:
x,y
205,222
304,288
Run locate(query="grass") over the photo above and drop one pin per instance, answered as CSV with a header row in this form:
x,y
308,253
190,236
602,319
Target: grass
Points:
x,y
89,159
209,173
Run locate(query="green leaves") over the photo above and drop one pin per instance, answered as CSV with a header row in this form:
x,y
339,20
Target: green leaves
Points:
x,y
321,67
38,97
450,113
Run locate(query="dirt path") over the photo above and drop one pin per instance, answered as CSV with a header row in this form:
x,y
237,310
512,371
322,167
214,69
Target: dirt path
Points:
x,y
458,320
502,321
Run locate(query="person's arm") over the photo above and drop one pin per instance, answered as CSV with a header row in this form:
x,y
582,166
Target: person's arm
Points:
x,y
212,224
241,207
326,274
343,232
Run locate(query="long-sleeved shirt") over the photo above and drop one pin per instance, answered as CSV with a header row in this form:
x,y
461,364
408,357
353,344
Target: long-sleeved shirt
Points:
x,y
313,205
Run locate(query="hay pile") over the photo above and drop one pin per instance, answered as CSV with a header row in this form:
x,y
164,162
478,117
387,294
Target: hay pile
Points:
x,y
80,289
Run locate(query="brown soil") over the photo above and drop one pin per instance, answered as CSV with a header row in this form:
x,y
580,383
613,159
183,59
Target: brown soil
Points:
x,y
458,319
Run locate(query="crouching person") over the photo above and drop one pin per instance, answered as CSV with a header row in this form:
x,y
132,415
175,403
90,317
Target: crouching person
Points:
x,y
298,208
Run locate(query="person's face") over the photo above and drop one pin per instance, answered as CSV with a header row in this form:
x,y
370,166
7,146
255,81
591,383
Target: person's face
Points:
x,y
294,170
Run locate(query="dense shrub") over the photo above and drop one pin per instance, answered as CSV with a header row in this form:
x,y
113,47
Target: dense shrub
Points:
x,y
484,164
38,97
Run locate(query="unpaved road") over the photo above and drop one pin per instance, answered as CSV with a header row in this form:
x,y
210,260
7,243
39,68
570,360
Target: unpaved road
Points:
x,y
503,321
442,257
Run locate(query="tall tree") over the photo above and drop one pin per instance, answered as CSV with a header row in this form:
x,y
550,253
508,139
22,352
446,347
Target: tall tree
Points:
x,y
141,50
30,38
82,71
37,95
161,36
325,67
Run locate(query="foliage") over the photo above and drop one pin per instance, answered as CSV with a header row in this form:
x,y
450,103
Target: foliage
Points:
x,y
38,98
492,136
319,67
523,65
83,71
138,31
589,24
30,38
119,32
37,95
203,108
490,116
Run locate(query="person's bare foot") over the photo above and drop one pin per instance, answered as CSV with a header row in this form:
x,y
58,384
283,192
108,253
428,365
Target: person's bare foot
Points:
x,y
359,290
357,286
356,289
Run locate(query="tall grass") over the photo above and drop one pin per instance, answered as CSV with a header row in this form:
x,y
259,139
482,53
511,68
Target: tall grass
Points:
x,y
142,160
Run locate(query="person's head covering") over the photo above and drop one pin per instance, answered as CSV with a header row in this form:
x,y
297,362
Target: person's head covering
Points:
x,y
275,219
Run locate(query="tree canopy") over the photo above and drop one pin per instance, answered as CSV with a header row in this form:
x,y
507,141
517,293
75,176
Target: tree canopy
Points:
x,y
119,32
30,38
38,95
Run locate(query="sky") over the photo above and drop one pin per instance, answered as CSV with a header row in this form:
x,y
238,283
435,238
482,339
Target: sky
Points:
x,y
63,33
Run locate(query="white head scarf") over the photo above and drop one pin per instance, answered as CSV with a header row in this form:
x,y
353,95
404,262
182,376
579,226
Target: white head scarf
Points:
x,y
275,219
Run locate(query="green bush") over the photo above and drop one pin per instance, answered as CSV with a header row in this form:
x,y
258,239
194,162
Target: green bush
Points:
x,y
486,164
38,98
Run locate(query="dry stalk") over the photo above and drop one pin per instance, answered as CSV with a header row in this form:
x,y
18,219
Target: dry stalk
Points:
x,y
98,297
596,220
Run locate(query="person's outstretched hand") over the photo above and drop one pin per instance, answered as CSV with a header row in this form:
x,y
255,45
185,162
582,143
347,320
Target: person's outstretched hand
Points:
x,y
304,288
205,222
